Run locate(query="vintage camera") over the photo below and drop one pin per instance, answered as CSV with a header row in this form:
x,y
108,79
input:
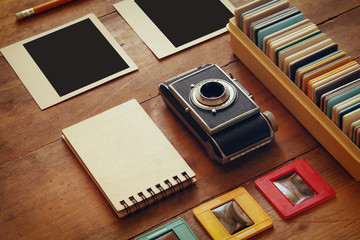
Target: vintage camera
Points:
x,y
219,111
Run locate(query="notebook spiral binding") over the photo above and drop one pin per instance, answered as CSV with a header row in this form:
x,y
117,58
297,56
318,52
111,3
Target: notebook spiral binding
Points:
x,y
127,208
135,202
167,182
143,197
162,190
154,196
179,183
188,179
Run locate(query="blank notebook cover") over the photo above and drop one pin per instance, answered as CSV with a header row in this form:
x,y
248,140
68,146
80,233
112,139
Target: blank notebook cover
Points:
x,y
128,157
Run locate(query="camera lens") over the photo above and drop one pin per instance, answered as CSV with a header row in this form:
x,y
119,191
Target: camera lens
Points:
x,y
212,90
213,94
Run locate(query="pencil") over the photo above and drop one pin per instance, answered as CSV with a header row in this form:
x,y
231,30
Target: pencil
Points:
x,y
40,8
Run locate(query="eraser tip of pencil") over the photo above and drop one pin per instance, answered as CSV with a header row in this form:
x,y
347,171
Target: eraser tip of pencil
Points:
x,y
19,16
25,13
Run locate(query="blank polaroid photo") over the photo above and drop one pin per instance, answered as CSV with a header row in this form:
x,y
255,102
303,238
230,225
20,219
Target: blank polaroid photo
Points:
x,y
68,60
169,26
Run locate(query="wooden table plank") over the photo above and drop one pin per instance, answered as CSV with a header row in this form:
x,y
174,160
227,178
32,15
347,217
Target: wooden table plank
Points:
x,y
23,120
335,218
324,10
13,31
339,28
49,185
46,194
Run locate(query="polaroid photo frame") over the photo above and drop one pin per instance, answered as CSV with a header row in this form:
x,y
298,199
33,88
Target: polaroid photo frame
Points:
x,y
68,60
169,26
249,220
297,200
174,229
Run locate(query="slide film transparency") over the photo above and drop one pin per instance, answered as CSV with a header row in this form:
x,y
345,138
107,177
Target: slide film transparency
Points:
x,y
233,215
176,229
294,188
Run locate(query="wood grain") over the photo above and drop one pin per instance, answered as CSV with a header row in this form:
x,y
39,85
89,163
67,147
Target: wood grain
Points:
x,y
338,29
21,114
54,167
332,219
46,194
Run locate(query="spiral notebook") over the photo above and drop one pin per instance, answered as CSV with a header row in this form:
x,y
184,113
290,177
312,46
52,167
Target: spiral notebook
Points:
x,y
128,158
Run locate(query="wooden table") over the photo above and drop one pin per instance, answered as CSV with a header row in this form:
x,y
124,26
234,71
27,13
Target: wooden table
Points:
x,y
46,194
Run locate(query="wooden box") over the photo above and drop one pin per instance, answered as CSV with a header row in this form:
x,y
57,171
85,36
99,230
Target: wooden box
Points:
x,y
300,106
